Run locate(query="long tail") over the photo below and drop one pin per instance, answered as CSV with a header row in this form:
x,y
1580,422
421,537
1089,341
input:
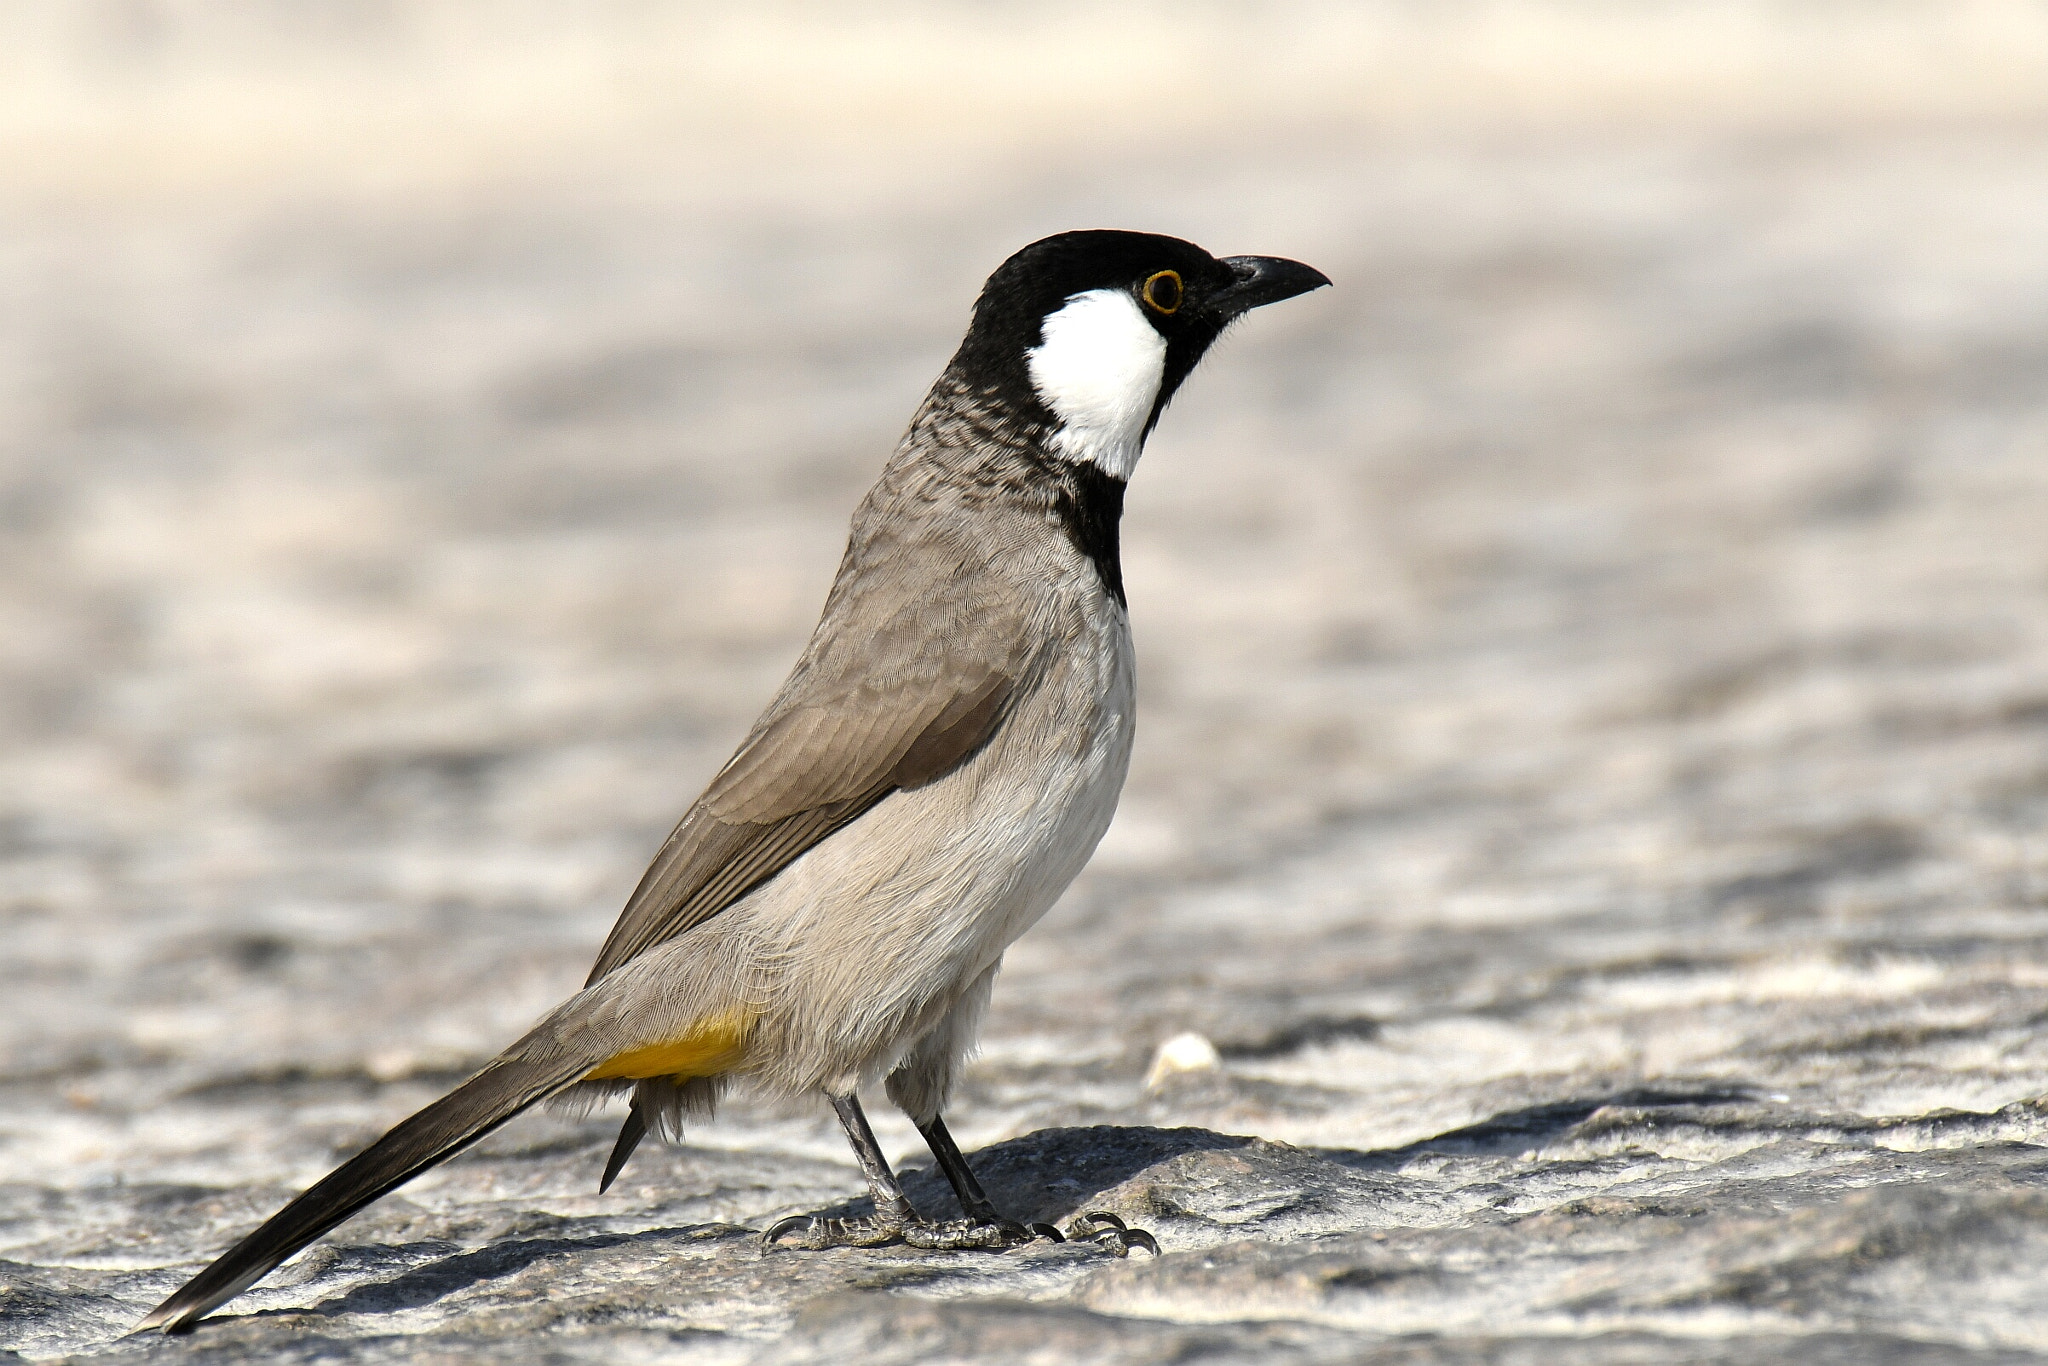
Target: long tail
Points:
x,y
440,1131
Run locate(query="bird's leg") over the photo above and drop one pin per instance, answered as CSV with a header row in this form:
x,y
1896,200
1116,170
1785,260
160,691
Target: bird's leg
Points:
x,y
1098,1226
893,1211
894,1217
974,1201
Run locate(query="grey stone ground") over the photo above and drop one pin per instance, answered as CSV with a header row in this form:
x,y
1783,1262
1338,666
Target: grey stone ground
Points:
x,y
1591,783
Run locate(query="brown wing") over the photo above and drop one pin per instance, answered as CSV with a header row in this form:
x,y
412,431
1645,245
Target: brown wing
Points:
x,y
896,689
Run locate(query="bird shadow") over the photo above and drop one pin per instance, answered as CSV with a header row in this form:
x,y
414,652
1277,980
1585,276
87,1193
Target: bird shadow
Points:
x,y
1047,1176
443,1276
1516,1131
1051,1175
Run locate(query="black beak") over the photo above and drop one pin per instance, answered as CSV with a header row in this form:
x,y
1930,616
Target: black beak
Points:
x,y
1263,280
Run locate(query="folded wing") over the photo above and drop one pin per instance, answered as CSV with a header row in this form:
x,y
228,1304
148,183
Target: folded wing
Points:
x,y
917,689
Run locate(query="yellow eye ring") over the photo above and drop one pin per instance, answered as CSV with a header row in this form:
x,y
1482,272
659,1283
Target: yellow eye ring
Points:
x,y
1161,292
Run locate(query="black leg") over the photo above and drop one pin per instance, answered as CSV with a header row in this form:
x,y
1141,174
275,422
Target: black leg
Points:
x,y
974,1201
890,1201
1099,1227
894,1218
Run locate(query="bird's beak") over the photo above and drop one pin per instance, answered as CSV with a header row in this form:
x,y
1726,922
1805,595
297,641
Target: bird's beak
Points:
x,y
1263,280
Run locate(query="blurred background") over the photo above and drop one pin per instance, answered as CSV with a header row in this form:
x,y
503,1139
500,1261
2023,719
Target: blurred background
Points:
x,y
1599,644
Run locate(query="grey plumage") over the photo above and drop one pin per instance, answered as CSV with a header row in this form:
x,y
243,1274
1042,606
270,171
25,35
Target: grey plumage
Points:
x,y
940,763
968,688
445,1128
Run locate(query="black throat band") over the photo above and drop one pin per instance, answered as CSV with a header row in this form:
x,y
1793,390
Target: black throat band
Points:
x,y
1090,504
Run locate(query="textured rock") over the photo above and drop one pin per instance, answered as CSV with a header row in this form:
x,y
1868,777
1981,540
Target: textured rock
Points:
x,y
1590,789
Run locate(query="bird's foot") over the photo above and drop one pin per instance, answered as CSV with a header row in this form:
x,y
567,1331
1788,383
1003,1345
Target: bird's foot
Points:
x,y
981,1233
955,1235
809,1234
1107,1231
815,1235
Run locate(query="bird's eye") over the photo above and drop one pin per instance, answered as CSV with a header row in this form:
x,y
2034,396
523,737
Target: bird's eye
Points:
x,y
1162,292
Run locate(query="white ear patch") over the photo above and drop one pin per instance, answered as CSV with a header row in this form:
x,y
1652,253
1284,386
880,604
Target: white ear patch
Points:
x,y
1099,368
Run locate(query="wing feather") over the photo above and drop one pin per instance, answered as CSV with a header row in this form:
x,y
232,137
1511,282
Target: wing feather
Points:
x,y
861,717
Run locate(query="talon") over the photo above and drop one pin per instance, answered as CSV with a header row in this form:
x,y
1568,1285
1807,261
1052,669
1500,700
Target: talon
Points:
x,y
1110,1233
1112,1242
820,1235
782,1226
1086,1225
1048,1231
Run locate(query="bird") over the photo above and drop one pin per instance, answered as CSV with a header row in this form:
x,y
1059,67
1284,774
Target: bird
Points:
x,y
939,765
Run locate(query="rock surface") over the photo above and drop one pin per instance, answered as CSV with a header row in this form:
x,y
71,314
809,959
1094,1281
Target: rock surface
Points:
x,y
1590,791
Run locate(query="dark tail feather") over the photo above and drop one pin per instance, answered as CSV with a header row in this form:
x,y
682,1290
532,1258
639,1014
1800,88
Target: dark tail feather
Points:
x,y
630,1134
440,1131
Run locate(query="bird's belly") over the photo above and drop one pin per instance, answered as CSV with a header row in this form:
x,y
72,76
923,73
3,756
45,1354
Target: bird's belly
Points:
x,y
867,940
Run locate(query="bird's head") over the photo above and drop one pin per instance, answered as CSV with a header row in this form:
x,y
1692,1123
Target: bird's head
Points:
x,y
1092,332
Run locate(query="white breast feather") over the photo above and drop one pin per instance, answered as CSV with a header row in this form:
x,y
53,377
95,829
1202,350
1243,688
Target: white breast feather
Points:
x,y
1098,368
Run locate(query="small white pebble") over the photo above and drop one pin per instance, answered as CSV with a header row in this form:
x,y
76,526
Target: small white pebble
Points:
x,y
1181,1053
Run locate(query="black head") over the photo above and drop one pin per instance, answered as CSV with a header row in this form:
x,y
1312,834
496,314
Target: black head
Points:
x,y
1185,295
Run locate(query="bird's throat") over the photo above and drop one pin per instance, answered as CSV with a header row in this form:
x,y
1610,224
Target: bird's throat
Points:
x,y
1090,504
1097,368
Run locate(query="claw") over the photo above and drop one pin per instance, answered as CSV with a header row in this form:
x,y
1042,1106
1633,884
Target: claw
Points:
x,y
782,1226
1048,1231
821,1234
1110,1233
1137,1237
